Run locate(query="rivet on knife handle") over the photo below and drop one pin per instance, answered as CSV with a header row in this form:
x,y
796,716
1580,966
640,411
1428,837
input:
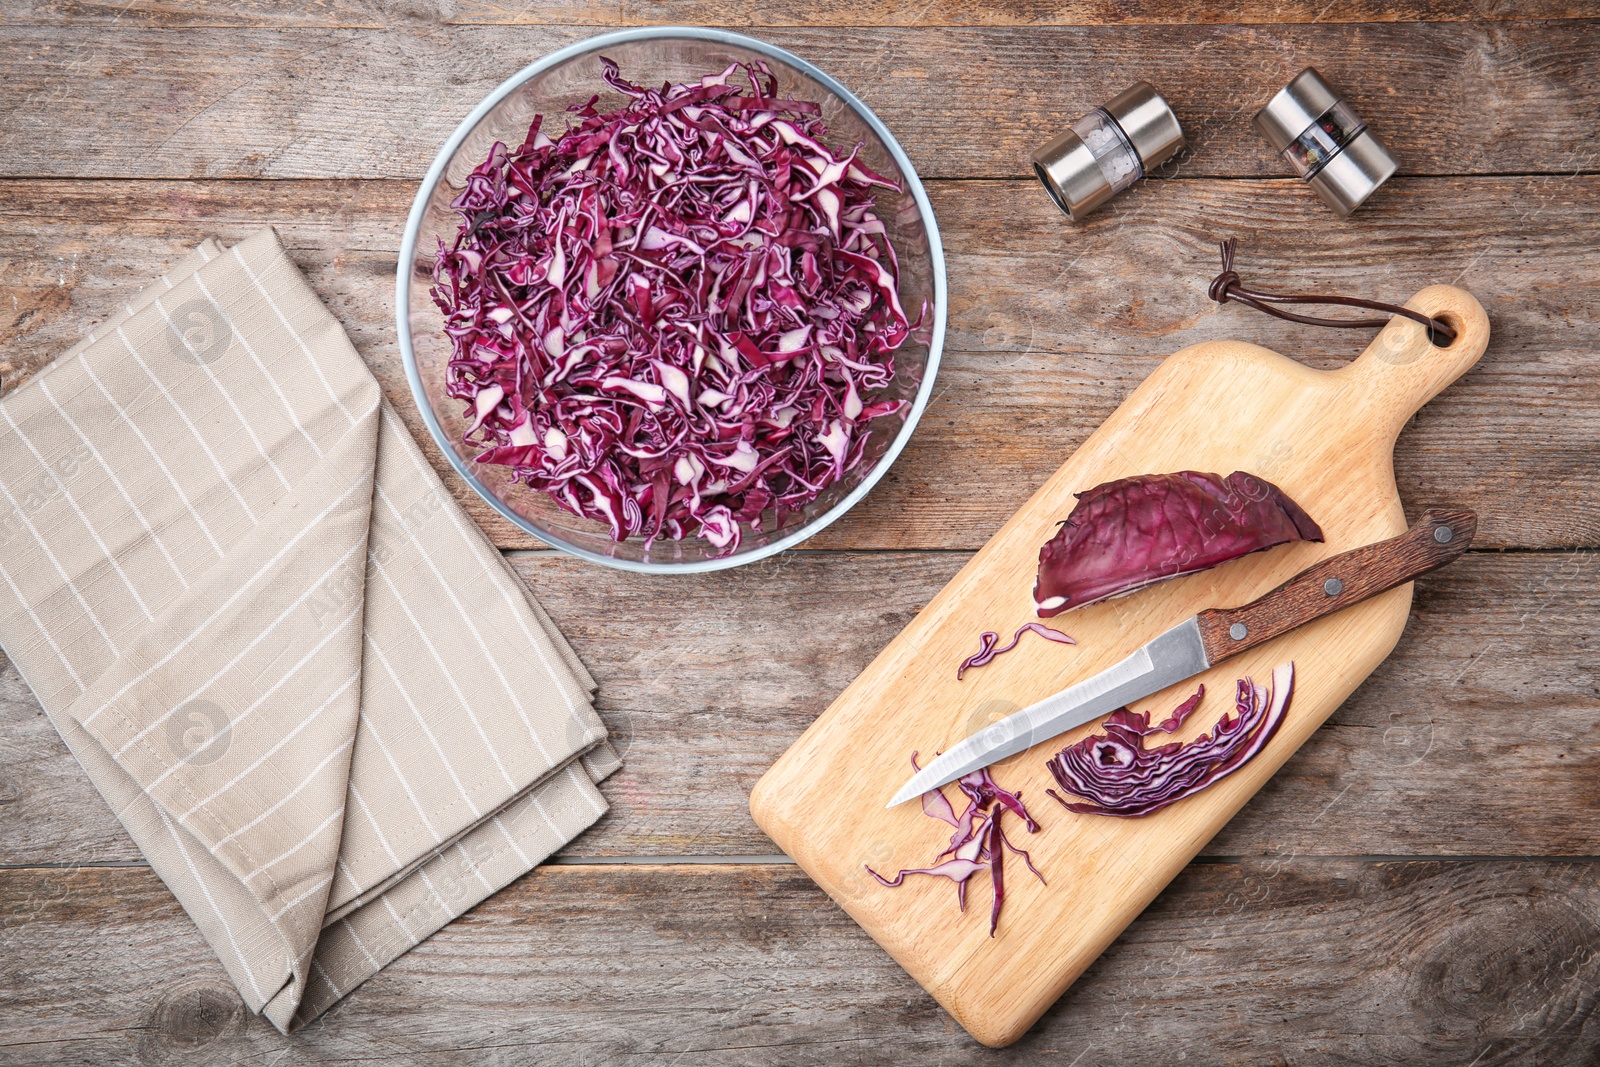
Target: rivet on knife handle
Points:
x,y
1441,535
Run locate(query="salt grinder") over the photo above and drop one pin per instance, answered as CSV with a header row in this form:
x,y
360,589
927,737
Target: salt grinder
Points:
x,y
1325,141
1108,150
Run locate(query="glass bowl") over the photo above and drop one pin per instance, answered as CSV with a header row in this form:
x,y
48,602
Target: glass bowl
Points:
x,y
570,76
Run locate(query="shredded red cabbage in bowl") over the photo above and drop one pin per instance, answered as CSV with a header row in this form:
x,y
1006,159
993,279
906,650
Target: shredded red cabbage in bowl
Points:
x,y
676,318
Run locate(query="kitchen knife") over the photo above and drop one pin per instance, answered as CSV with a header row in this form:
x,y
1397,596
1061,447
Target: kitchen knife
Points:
x,y
1199,642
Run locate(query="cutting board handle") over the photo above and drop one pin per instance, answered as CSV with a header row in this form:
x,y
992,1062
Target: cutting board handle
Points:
x,y
1401,370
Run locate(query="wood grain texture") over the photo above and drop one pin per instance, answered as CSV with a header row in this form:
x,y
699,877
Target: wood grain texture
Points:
x,y
1051,325
706,680
1445,98
819,802
1291,960
380,13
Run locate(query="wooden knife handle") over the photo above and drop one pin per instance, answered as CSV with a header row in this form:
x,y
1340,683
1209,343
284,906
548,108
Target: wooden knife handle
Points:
x,y
1439,536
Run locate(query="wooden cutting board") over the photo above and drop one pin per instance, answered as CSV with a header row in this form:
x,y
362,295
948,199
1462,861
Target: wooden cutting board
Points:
x,y
1325,437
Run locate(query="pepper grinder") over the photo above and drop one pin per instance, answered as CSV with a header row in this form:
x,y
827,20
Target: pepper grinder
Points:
x,y
1108,150
1325,141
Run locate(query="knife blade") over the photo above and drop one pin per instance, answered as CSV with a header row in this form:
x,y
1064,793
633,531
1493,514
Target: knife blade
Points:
x,y
1203,640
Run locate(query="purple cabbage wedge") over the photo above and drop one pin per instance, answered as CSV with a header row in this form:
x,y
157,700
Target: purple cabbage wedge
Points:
x,y
1127,534
1116,775
679,316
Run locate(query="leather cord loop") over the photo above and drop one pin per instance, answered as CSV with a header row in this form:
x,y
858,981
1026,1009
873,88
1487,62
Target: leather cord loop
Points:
x,y
1226,286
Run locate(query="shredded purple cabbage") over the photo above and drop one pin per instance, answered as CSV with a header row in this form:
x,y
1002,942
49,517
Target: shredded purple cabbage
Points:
x,y
989,639
978,844
676,317
1120,777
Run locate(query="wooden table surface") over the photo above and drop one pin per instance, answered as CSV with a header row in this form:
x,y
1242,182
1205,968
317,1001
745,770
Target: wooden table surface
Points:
x,y
1419,884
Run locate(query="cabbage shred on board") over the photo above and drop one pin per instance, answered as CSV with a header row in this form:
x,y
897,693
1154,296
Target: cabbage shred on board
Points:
x,y
978,844
680,314
989,646
1117,775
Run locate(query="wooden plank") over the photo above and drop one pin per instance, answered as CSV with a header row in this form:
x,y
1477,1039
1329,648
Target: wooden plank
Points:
x,y
369,13
706,680
292,103
1051,325
1277,961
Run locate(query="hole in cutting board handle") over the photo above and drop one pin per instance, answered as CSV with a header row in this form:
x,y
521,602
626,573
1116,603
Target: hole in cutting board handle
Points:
x,y
1401,369
1452,320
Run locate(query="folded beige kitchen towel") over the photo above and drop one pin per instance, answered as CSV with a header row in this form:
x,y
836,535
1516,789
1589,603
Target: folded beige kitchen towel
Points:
x,y
328,712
